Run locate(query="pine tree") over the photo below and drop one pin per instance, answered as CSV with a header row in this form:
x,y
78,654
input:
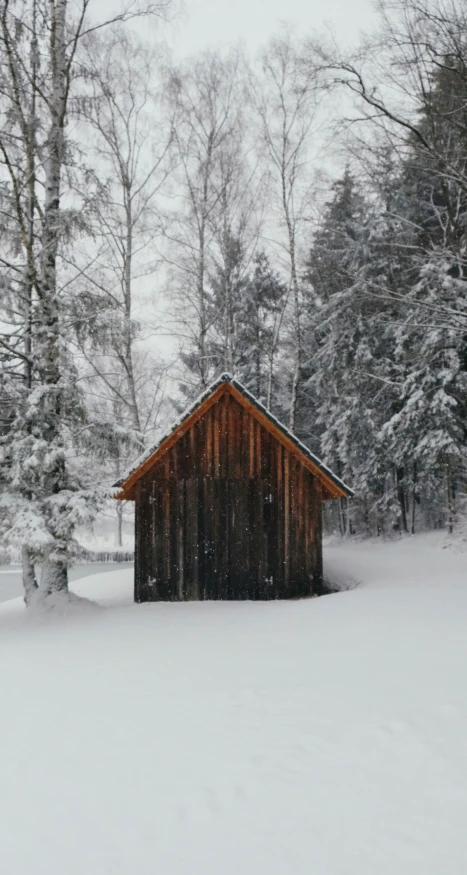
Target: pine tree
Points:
x,y
352,380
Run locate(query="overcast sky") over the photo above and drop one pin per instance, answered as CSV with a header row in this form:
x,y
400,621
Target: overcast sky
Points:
x,y
209,23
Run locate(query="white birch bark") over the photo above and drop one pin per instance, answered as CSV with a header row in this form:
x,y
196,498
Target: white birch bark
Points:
x,y
285,101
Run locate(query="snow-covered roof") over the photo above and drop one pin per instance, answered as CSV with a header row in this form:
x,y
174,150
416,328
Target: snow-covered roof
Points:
x,y
228,378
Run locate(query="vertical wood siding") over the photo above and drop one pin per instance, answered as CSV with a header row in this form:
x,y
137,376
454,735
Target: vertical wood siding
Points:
x,y
228,513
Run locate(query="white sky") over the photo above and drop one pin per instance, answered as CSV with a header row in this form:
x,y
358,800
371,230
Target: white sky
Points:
x,y
211,23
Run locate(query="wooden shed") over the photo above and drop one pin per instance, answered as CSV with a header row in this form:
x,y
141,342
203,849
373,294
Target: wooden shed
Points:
x,y
228,505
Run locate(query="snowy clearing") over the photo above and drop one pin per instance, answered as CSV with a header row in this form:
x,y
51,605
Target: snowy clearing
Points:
x,y
322,736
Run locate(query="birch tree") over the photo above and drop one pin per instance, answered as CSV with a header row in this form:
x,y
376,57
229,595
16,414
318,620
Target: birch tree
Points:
x,y
46,494
286,99
131,156
235,229
205,105
130,152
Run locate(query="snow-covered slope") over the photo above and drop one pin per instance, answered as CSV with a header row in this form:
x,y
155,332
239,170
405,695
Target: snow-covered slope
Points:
x,y
325,736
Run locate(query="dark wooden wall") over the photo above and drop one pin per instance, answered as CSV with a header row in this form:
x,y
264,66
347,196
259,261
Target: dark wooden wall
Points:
x,y
228,513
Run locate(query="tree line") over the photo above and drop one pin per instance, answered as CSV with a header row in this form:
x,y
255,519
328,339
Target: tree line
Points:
x,y
298,220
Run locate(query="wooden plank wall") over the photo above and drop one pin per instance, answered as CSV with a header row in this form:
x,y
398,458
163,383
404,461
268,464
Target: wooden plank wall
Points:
x,y
227,514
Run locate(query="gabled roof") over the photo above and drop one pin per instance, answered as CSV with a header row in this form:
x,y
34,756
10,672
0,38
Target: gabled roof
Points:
x,y
334,487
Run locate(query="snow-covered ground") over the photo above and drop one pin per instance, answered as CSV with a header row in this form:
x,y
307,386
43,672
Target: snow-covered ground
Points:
x,y
323,736
11,583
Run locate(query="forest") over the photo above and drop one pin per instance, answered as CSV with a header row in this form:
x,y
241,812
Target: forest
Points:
x,y
297,219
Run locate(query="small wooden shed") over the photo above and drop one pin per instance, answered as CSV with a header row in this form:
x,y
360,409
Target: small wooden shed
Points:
x,y
228,505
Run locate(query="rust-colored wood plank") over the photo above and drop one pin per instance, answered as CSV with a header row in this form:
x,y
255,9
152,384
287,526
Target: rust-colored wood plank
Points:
x,y
167,531
224,447
191,539
222,529
279,493
174,462
254,539
286,521
209,449
307,510
260,540
159,487
138,544
201,554
257,449
216,437
208,546
152,510
251,445
181,517
243,539
230,440
145,546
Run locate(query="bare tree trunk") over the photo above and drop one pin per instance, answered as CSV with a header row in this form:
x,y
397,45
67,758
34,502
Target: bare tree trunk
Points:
x,y
119,509
274,345
203,368
297,337
229,330
343,506
414,496
270,376
296,304
54,574
366,516
203,210
127,279
401,499
258,366
119,523
202,335
31,199
29,574
343,517
28,571
449,498
286,108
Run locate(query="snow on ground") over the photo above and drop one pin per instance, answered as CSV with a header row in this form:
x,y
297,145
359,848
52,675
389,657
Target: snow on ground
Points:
x,y
322,736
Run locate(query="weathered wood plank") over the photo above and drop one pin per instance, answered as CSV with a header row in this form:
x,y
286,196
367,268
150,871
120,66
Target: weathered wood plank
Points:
x,y
201,535
286,523
191,539
181,516
139,511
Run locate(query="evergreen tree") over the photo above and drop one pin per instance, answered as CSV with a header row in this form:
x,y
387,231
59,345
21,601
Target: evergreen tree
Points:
x,y
262,305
